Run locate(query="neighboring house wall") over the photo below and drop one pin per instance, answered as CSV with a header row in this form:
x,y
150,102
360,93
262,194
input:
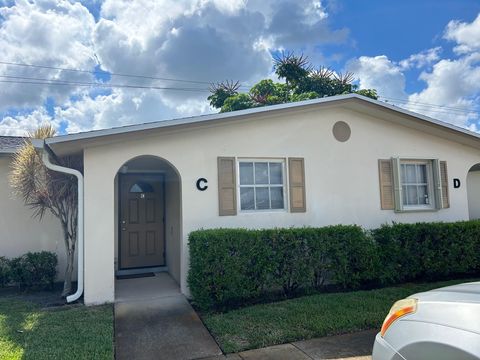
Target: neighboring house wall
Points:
x,y
342,180
19,231
473,185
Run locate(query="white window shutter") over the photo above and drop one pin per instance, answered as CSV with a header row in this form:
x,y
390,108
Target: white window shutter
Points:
x,y
397,184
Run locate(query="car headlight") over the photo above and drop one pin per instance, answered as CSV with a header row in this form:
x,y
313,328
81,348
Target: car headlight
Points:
x,y
399,309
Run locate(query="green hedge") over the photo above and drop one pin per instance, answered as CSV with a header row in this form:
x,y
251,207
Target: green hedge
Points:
x,y
427,251
230,266
34,269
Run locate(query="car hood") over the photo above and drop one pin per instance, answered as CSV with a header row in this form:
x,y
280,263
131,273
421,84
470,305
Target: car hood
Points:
x,y
464,293
455,306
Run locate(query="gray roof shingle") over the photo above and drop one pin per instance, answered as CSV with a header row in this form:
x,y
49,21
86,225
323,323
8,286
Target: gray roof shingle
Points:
x,y
8,144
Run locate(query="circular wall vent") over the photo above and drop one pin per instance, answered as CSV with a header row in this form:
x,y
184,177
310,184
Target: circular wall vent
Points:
x,y
341,131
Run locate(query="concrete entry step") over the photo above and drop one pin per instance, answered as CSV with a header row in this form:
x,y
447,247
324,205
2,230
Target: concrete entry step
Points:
x,y
151,326
146,288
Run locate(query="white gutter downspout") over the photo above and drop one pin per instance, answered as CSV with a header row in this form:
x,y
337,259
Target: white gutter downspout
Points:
x,y
40,145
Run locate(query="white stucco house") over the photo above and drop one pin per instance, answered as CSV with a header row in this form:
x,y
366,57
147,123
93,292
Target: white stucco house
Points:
x,y
339,160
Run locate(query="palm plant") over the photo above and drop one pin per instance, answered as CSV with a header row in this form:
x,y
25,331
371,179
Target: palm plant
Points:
x,y
45,190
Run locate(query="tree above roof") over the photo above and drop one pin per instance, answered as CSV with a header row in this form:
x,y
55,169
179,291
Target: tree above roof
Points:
x,y
301,82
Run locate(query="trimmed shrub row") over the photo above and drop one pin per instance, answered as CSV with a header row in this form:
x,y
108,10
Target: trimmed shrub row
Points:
x,y
231,266
427,251
34,269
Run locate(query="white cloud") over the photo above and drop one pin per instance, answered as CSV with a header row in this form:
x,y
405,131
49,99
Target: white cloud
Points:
x,y
192,107
53,33
466,35
193,40
421,59
21,125
292,25
451,93
206,40
380,73
123,107
229,6
388,76
454,85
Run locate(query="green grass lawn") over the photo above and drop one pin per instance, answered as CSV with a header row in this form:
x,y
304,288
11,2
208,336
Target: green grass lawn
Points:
x,y
307,317
78,332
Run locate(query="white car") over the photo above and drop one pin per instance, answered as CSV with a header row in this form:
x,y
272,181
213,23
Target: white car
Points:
x,y
441,324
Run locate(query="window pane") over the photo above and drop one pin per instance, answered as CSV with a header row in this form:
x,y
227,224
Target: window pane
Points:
x,y
246,173
247,201
421,174
276,173
261,173
141,187
412,198
415,184
422,192
262,198
276,194
410,174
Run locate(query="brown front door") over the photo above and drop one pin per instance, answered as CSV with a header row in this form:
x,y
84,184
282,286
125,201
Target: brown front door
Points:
x,y
142,240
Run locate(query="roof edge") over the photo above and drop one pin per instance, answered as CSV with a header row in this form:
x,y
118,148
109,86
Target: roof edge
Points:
x,y
259,110
193,119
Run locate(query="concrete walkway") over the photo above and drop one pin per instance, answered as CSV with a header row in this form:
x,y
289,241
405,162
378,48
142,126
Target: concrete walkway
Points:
x,y
153,320
356,346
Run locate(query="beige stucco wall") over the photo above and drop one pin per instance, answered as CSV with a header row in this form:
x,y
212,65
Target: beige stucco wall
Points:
x,y
19,232
341,178
173,223
473,186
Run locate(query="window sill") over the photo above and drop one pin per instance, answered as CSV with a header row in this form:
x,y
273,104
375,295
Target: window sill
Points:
x,y
416,210
266,211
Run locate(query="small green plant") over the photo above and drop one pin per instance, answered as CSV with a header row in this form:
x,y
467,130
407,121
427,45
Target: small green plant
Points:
x,y
36,269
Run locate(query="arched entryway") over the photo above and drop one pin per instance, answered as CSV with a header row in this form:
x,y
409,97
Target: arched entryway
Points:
x,y
473,192
148,217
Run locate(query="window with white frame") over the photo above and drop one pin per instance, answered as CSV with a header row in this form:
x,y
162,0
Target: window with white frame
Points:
x,y
261,185
416,184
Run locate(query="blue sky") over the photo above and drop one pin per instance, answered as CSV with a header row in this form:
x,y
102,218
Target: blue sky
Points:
x,y
421,55
401,28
